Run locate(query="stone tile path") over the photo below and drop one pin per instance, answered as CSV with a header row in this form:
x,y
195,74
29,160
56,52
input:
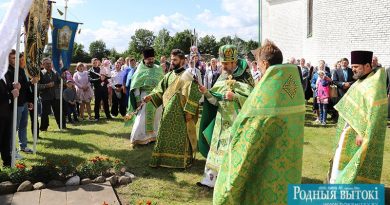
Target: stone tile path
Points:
x,y
90,194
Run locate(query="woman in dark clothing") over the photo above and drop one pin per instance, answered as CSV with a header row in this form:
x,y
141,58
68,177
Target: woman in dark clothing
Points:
x,y
7,93
308,91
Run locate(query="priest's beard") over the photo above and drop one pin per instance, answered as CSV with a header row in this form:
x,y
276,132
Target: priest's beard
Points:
x,y
229,67
179,65
176,67
228,70
149,65
357,75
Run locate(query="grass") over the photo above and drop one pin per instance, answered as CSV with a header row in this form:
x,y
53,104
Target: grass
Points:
x,y
168,186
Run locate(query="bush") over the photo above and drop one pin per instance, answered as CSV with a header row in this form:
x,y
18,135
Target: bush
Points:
x,y
96,166
86,171
66,169
19,174
44,173
118,165
4,175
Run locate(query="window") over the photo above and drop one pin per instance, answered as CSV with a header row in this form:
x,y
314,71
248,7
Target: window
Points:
x,y
309,18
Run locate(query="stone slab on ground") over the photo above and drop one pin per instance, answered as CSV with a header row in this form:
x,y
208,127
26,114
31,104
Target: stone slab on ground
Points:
x,y
105,193
6,199
29,197
77,196
54,196
89,194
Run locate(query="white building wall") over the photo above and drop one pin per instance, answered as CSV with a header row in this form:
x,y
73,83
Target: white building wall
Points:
x,y
339,26
282,23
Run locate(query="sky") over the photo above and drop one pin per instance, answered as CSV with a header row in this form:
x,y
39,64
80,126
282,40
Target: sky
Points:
x,y
115,21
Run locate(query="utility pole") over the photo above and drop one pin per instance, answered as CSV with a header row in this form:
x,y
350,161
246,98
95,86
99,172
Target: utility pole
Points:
x,y
66,8
260,29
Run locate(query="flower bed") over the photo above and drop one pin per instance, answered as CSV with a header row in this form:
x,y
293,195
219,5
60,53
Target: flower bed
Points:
x,y
95,170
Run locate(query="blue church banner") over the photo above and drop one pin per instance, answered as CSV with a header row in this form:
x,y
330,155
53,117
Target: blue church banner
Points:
x,y
63,35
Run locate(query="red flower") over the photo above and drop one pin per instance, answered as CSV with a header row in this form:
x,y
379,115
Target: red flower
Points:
x,y
20,166
148,202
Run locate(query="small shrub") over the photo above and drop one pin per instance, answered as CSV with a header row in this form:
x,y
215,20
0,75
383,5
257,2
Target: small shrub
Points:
x,y
118,165
101,164
4,175
86,171
19,174
96,166
66,169
44,173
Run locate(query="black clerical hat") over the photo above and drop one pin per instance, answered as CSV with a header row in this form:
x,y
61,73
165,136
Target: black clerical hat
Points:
x,y
361,57
148,52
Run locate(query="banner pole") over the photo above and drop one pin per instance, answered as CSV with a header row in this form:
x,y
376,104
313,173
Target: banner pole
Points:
x,y
15,106
35,126
61,113
62,81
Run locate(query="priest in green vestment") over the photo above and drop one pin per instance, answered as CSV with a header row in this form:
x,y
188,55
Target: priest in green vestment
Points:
x,y
361,131
266,143
228,95
178,94
145,79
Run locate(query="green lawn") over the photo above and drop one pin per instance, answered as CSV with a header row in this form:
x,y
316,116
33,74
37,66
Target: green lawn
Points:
x,y
161,185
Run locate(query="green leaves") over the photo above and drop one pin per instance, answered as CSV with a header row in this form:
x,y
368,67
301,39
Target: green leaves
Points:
x,y
97,49
140,40
209,45
79,54
163,44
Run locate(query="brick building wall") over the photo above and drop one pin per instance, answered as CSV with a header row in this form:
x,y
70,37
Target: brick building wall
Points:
x,y
339,26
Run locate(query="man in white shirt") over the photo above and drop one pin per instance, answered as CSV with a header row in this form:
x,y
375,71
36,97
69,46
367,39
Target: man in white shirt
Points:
x,y
118,97
195,71
256,74
212,74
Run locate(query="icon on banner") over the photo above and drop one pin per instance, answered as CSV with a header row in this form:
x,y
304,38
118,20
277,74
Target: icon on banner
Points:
x,y
64,35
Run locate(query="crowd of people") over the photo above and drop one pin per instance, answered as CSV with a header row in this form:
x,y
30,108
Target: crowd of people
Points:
x,y
326,85
252,112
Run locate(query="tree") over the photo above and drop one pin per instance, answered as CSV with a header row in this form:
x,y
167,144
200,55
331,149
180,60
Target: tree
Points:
x,y
97,49
181,40
128,53
225,40
249,46
240,44
79,55
141,39
161,43
114,54
208,45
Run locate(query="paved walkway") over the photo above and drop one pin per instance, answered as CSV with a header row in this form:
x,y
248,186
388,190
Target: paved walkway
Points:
x,y
90,194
